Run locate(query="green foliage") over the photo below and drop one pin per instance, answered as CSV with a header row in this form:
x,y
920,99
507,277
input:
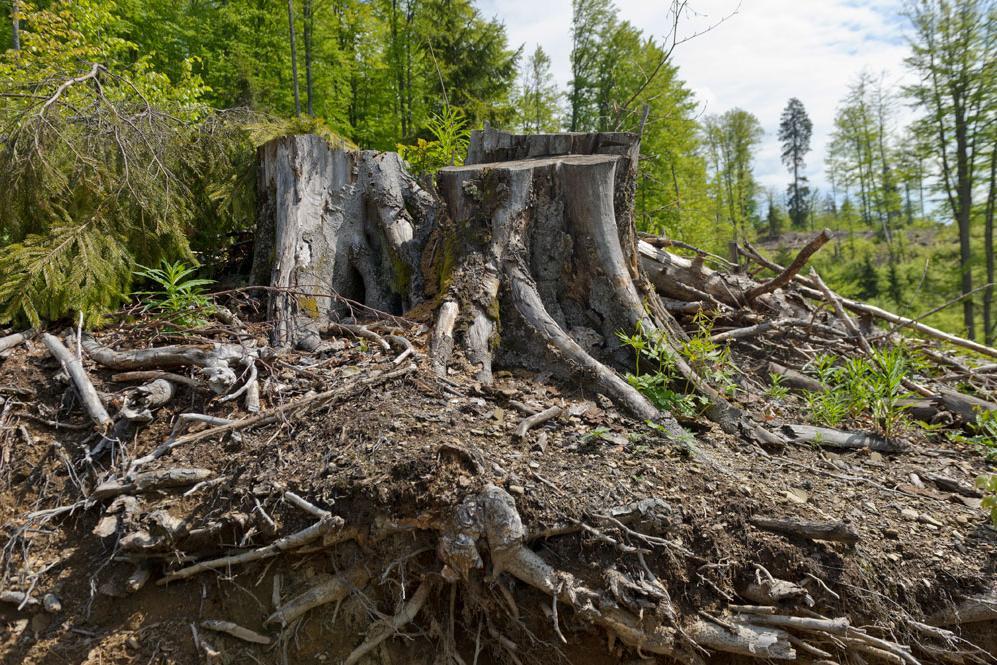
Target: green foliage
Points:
x,y
983,433
656,384
448,147
775,389
731,139
860,386
988,484
537,98
180,298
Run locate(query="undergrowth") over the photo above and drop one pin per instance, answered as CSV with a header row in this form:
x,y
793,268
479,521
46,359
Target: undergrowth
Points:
x,y
180,298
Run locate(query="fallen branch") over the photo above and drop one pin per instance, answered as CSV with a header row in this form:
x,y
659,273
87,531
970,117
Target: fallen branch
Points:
x,y
10,341
834,531
536,419
284,544
786,276
394,624
74,368
826,437
153,374
235,630
151,481
332,590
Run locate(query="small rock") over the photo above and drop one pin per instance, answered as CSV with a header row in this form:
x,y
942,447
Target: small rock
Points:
x,y
133,643
928,519
517,489
51,603
909,514
797,495
891,533
915,480
962,519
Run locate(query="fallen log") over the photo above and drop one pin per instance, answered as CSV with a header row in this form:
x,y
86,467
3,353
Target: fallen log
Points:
x,y
835,438
965,407
968,610
10,341
813,530
794,379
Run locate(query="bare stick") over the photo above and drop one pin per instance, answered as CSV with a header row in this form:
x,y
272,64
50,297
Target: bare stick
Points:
x,y
826,437
404,616
347,330
235,630
530,422
786,276
10,341
151,375
284,544
74,368
306,506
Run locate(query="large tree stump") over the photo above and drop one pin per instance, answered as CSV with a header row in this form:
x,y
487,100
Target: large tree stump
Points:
x,y
529,260
336,229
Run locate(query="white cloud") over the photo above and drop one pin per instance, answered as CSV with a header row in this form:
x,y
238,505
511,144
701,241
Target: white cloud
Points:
x,y
767,52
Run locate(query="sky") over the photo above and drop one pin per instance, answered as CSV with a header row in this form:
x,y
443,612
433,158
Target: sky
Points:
x,y
765,52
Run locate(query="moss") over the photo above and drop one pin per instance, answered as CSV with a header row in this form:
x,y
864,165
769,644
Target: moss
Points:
x,y
309,306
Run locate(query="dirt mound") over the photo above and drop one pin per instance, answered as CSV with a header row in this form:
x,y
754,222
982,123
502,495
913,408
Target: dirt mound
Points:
x,y
659,543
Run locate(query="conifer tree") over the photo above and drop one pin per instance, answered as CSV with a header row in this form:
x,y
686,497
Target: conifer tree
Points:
x,y
795,129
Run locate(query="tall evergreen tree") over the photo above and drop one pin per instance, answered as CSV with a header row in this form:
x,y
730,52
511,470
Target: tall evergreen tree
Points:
x,y
795,129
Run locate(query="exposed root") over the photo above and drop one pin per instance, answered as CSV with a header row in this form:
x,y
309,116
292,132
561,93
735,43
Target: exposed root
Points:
x,y
395,623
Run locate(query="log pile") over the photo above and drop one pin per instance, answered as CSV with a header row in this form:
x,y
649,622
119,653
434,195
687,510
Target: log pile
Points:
x,y
524,259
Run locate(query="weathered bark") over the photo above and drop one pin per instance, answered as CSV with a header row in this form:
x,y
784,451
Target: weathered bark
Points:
x,y
337,230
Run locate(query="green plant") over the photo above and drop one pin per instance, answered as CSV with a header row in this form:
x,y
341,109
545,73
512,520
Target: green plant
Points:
x,y
656,384
988,483
451,136
984,434
827,408
179,300
775,389
710,360
860,385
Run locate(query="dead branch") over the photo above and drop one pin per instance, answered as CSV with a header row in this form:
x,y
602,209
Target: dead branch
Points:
x,y
284,544
536,419
235,630
332,590
834,438
786,276
74,368
834,531
395,623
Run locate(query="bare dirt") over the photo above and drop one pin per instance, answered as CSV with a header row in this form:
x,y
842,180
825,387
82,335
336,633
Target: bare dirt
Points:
x,y
396,460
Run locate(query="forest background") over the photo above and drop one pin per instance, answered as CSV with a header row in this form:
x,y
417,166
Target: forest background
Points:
x,y
128,131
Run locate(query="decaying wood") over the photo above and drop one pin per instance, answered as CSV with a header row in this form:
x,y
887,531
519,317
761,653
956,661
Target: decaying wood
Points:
x,y
394,624
11,341
81,381
952,485
744,639
786,276
151,481
966,407
235,630
968,610
331,590
794,379
284,544
836,438
814,530
152,375
532,421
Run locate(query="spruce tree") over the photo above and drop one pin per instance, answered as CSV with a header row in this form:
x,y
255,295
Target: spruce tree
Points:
x,y
795,129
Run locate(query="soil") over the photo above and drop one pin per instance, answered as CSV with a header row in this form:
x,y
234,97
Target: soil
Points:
x,y
399,458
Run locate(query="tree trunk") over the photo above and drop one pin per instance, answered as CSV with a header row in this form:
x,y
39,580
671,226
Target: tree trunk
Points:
x,y
337,231
294,56
309,28
530,259
988,235
15,20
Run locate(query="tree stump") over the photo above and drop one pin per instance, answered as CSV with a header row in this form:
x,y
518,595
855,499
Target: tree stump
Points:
x,y
337,229
528,256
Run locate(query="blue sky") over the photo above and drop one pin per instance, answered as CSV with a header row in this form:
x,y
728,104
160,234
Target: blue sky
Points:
x,y
765,53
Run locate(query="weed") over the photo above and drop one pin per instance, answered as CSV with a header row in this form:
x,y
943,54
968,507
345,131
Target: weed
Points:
x,y
984,434
656,384
988,483
776,390
179,299
826,408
